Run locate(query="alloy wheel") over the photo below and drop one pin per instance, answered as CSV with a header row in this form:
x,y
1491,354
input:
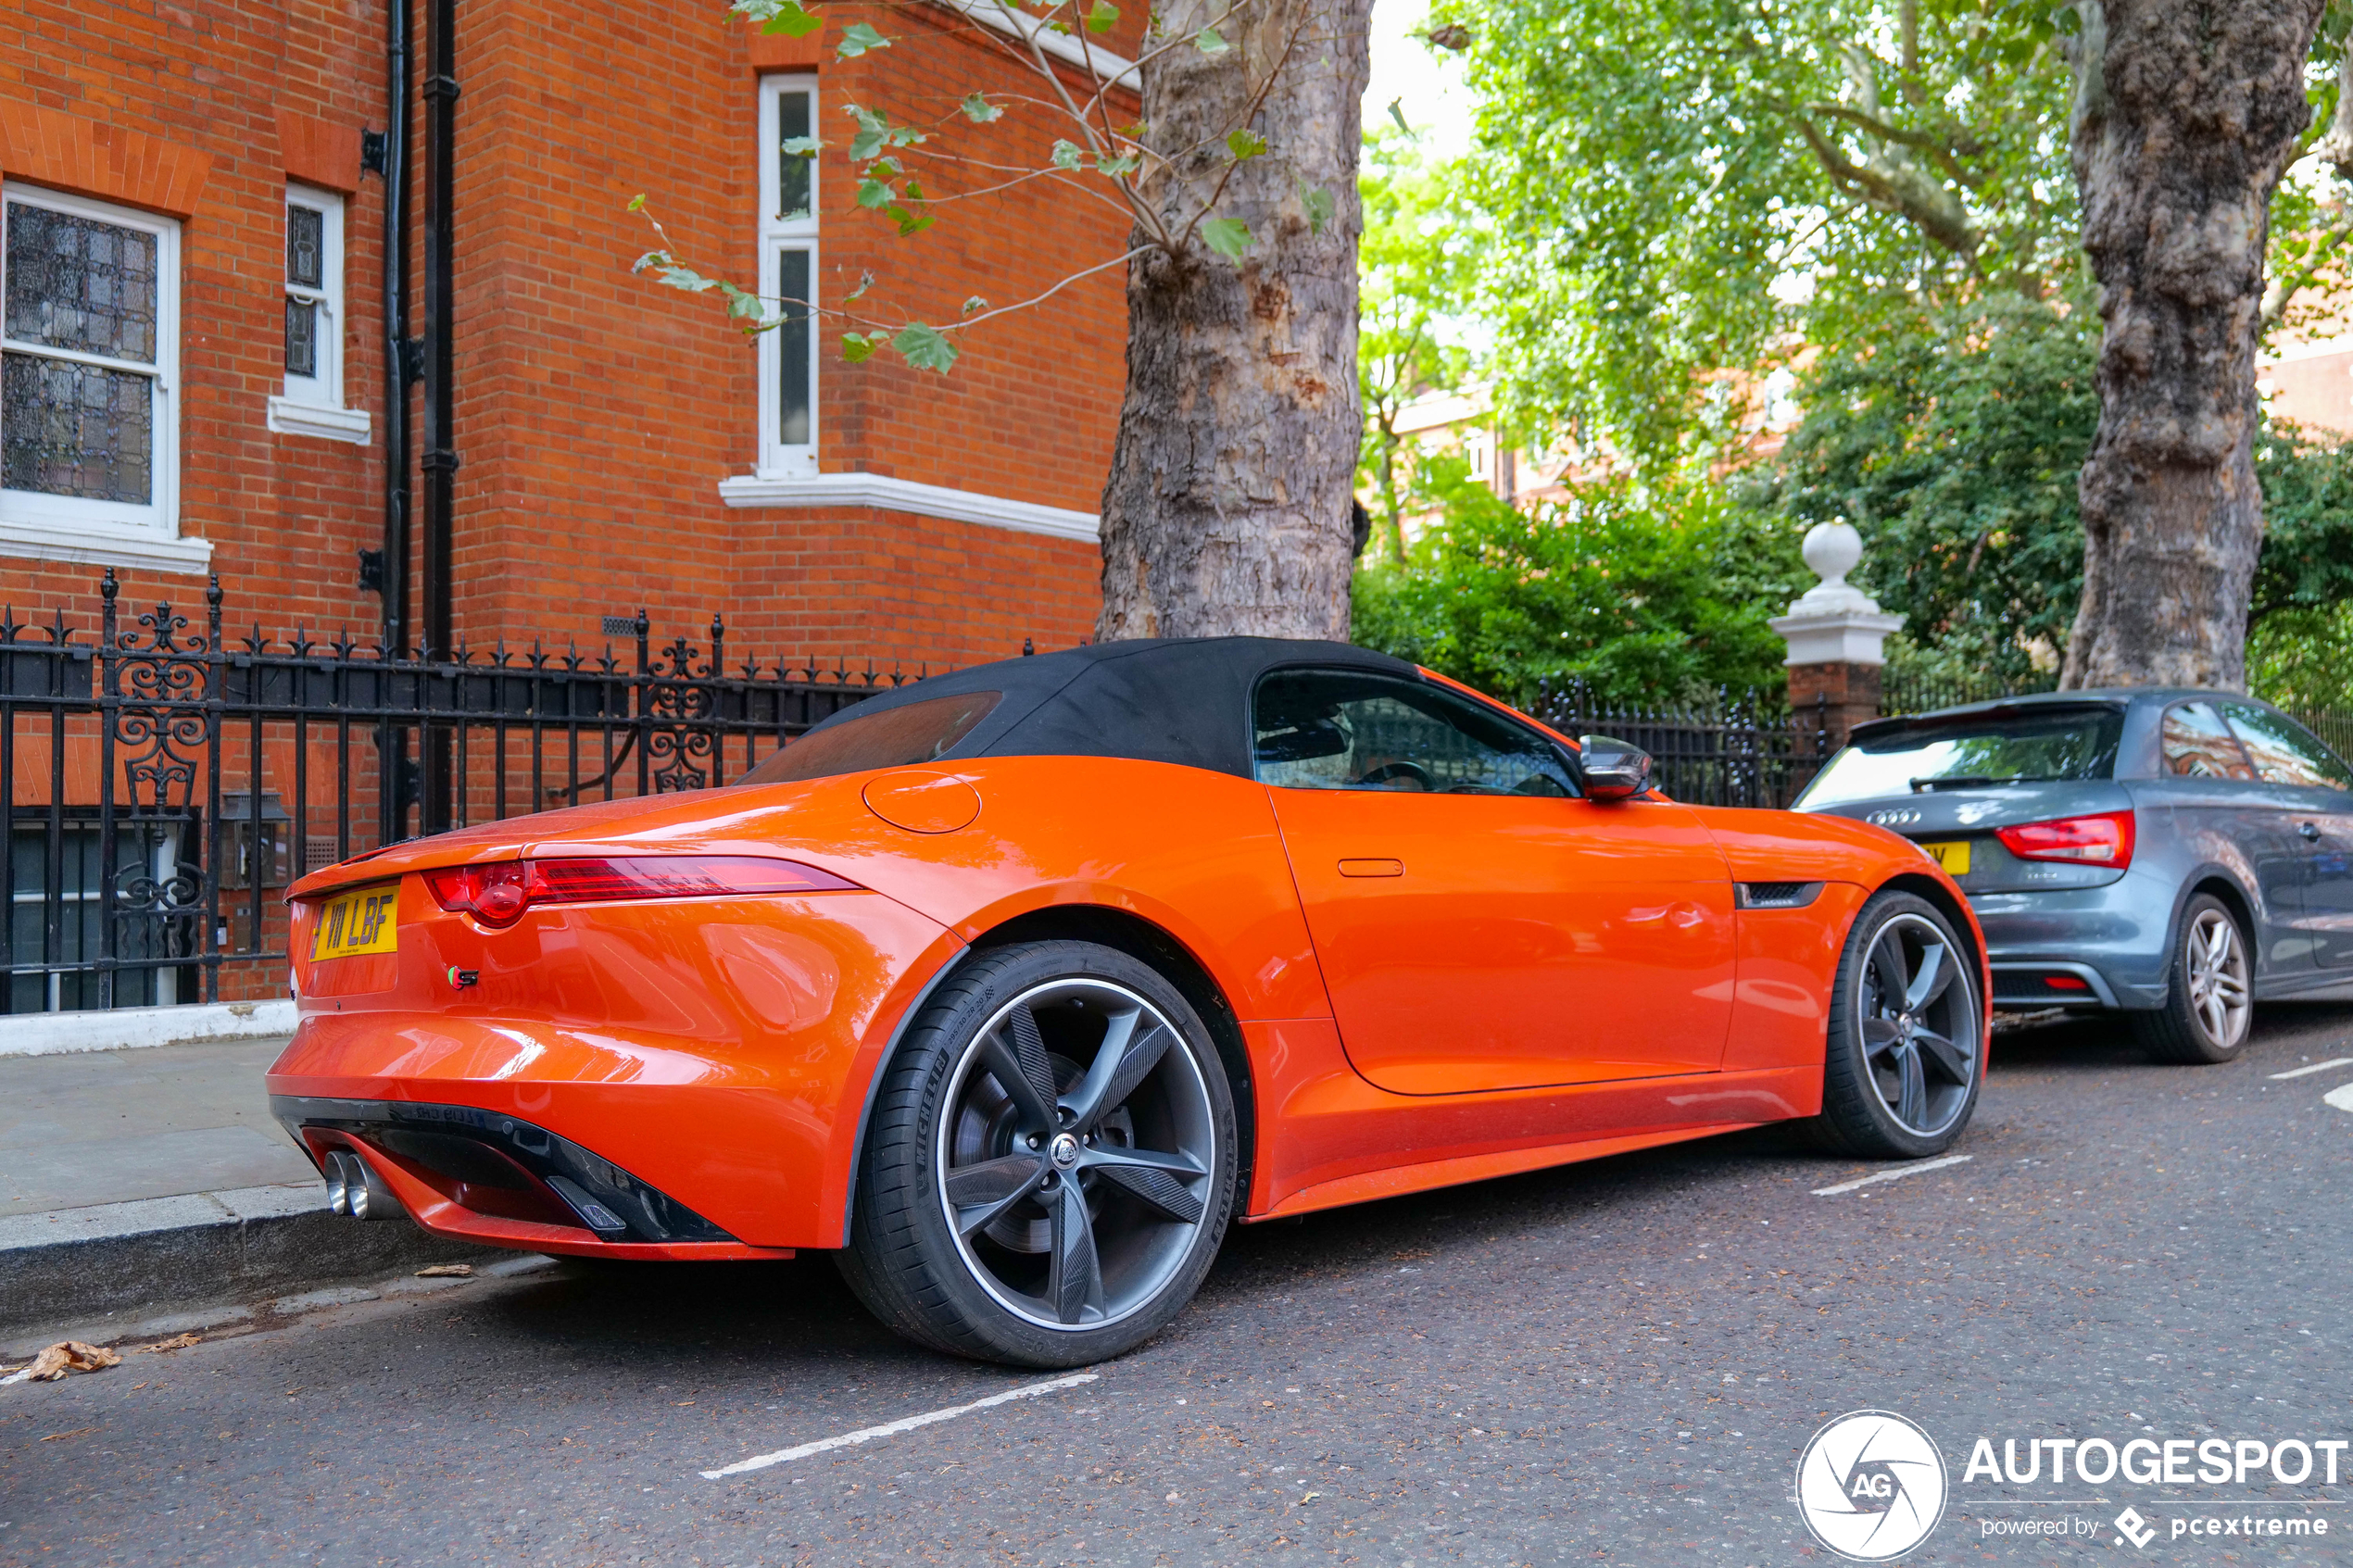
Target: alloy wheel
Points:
x,y
1921,1024
1074,1154
2215,961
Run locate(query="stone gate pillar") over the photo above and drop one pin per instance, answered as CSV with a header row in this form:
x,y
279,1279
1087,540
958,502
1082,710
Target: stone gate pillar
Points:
x,y
1837,637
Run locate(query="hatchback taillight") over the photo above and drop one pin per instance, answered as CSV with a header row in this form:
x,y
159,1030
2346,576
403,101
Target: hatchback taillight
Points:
x,y
499,892
2102,840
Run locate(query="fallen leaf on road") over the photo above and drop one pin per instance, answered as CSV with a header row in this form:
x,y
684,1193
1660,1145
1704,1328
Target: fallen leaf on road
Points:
x,y
177,1342
447,1271
76,1432
65,1355
1310,1496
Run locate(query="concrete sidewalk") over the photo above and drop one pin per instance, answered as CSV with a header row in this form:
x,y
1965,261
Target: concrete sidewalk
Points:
x,y
149,1180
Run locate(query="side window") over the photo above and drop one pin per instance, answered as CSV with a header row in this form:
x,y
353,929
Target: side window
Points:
x,y
2196,745
2284,751
1317,728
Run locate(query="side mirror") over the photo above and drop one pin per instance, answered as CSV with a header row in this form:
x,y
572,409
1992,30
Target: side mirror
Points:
x,y
1614,768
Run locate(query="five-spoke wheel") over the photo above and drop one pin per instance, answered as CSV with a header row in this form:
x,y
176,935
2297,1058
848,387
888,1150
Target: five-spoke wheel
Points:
x,y
1050,1166
2210,1001
1905,1051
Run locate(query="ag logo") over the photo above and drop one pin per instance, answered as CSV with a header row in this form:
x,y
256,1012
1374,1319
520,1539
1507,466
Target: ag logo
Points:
x,y
1871,1485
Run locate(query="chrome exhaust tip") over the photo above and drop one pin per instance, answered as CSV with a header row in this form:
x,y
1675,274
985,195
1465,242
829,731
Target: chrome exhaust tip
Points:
x,y
372,1196
339,1177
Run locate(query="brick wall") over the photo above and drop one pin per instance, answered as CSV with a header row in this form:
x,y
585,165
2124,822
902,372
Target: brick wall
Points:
x,y
596,412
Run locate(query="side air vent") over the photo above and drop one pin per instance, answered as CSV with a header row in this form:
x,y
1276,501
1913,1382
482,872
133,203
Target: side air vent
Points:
x,y
1776,894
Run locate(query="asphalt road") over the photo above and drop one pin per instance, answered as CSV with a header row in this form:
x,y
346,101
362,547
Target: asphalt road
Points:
x,y
1618,1361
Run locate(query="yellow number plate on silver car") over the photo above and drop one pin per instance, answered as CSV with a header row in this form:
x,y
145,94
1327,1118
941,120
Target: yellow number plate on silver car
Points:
x,y
365,919
1954,857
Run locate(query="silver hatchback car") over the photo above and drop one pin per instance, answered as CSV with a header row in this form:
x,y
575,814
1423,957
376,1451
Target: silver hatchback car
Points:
x,y
2173,855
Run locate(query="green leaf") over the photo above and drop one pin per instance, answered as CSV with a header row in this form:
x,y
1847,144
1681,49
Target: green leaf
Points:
x,y
865,282
1117,166
875,194
652,258
873,130
979,111
1228,237
1245,144
638,202
857,39
1319,205
908,222
1208,42
974,303
1068,154
800,146
925,347
1102,18
792,21
856,346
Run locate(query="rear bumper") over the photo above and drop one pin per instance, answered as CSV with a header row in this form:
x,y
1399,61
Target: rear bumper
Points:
x,y
499,1181
2113,940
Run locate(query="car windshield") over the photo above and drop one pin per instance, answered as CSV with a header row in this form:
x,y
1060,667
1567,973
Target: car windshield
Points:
x,y
890,737
1972,753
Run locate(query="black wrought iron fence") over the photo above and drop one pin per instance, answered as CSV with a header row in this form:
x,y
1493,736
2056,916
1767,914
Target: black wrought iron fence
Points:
x,y
1904,693
167,781
1729,749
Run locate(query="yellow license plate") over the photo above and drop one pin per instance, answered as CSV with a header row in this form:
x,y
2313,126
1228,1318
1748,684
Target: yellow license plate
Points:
x,y
1954,857
365,919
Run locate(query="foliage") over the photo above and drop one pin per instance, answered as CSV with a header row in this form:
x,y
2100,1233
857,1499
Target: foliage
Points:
x,y
1642,591
1953,451
1417,262
2299,646
1685,186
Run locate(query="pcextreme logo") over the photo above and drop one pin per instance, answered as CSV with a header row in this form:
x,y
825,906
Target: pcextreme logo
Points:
x,y
1872,1485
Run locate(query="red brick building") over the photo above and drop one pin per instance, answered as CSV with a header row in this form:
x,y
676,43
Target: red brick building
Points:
x,y
196,339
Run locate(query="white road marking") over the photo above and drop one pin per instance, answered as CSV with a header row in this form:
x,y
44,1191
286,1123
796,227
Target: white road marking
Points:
x,y
1897,1175
2341,1098
2316,1067
892,1428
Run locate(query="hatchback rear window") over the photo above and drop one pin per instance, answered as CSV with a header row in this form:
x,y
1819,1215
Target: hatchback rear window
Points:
x,y
2012,748
890,737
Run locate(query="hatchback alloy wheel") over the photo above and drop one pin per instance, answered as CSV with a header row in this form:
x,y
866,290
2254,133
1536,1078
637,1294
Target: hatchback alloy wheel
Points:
x,y
2209,994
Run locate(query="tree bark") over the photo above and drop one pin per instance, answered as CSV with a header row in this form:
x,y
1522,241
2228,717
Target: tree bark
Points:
x,y
2186,114
1227,509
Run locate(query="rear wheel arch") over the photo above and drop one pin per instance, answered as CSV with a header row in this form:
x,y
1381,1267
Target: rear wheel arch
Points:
x,y
2225,887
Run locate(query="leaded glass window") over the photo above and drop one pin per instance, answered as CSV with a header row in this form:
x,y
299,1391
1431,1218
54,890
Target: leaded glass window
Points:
x,y
307,303
85,359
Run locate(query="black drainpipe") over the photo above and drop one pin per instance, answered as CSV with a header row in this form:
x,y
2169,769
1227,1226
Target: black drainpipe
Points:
x,y
440,462
395,788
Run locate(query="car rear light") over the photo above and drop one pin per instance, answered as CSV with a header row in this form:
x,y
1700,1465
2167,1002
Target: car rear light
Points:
x,y
2102,840
497,892
2066,983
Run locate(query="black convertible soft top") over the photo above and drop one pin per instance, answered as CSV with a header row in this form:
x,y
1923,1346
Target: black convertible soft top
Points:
x,y
1183,700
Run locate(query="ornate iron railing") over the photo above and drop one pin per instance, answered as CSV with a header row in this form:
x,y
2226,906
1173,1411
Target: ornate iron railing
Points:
x,y
166,780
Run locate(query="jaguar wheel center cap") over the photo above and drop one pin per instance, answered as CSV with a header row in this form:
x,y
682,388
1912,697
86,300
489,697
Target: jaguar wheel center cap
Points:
x,y
1065,1151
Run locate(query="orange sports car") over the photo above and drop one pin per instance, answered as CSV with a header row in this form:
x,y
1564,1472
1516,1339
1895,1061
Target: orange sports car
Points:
x,y
1014,987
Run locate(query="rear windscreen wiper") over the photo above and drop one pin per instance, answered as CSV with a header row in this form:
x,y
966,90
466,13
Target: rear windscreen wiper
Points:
x,y
1971,781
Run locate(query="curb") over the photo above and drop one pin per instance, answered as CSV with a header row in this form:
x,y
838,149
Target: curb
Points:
x,y
61,1033
198,1249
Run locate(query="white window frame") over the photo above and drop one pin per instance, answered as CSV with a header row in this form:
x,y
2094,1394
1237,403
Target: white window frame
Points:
x,y
113,533
776,460
313,404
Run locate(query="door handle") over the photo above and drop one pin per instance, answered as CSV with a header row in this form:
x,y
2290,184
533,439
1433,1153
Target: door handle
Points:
x,y
1372,867
2310,830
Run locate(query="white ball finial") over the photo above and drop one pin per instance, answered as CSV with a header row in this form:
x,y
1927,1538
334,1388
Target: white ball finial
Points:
x,y
1831,550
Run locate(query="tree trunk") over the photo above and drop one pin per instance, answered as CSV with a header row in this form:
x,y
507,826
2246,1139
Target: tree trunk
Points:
x,y
1227,509
2186,115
